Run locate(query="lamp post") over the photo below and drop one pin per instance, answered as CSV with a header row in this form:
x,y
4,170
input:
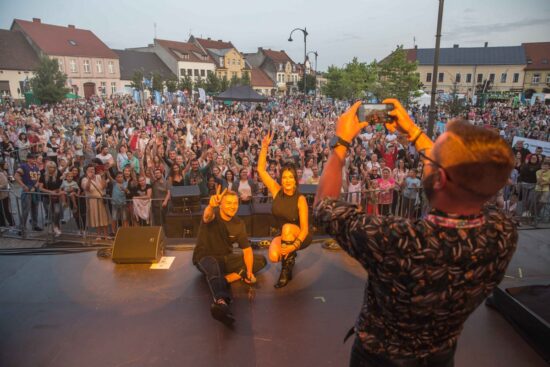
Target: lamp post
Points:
x,y
304,31
316,54
431,116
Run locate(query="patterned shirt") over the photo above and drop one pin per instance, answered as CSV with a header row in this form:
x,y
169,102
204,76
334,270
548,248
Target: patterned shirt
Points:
x,y
425,277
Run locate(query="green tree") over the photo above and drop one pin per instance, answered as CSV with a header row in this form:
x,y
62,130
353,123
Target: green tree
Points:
x,y
397,77
224,84
137,80
186,83
158,81
212,83
455,106
310,83
245,80
335,86
48,83
171,85
234,81
200,84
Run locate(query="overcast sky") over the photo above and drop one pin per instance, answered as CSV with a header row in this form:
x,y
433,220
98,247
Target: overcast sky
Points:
x,y
338,30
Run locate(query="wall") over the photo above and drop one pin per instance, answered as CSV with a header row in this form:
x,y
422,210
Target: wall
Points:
x,y
14,77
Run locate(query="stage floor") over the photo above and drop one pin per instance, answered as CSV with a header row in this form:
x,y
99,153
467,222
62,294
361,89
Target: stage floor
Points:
x,y
80,310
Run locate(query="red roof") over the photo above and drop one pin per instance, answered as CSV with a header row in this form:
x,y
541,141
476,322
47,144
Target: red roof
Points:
x,y
260,79
539,54
277,56
64,41
411,54
184,48
209,43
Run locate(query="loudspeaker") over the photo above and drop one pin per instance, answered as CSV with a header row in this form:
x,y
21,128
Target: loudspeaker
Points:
x,y
186,197
263,222
138,245
245,213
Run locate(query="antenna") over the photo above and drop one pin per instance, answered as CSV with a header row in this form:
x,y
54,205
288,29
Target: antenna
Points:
x,y
414,41
155,26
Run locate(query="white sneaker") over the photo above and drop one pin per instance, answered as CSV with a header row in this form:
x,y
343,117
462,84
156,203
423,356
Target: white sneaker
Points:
x,y
56,231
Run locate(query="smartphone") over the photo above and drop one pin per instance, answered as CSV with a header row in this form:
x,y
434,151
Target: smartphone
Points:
x,y
374,113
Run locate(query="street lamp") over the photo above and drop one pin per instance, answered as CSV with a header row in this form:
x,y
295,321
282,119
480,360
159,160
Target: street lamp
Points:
x,y
316,54
304,31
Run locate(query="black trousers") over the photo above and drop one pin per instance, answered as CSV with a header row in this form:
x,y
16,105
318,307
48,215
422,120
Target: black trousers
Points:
x,y
215,268
361,358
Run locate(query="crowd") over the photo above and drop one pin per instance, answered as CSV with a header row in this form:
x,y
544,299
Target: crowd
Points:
x,y
111,162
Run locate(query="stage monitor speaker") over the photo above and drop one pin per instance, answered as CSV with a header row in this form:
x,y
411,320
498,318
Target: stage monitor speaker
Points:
x,y
138,245
309,192
245,213
187,197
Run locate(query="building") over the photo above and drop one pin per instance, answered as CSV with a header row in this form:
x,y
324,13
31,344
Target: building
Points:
x,y
17,62
147,62
91,67
537,70
468,68
182,58
261,82
278,66
230,63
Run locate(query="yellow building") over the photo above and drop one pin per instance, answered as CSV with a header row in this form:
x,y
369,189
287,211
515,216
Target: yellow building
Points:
x,y
17,62
470,68
229,61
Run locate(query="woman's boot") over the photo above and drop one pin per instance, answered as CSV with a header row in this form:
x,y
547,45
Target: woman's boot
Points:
x,y
286,270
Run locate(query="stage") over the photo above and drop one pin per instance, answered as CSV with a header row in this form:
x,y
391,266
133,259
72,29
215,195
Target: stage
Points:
x,y
81,310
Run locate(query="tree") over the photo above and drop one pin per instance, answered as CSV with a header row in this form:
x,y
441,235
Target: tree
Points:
x,y
234,81
212,83
48,83
171,85
454,105
397,77
352,81
158,81
335,86
224,84
310,83
137,80
200,84
186,83
245,80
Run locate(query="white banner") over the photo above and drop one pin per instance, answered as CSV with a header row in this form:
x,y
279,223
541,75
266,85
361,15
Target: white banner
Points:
x,y
532,144
202,95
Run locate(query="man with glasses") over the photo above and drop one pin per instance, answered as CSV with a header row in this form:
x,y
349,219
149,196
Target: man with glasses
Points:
x,y
426,276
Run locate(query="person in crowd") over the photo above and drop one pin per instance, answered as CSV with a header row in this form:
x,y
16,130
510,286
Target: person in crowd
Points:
x,y
428,275
228,179
213,255
50,184
69,191
386,185
161,197
527,182
94,185
542,188
411,193
176,177
119,207
245,187
291,212
28,177
6,219
141,198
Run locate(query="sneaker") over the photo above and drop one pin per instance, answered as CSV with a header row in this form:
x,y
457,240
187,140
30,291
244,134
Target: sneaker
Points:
x,y
331,245
37,228
221,312
56,231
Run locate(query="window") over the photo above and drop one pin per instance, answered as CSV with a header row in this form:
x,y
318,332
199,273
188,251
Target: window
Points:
x,y
182,72
440,77
468,78
196,72
503,77
492,78
72,42
536,78
99,66
113,87
516,77
547,78
457,78
209,72
73,66
190,72
280,67
86,66
428,77
60,63
202,72
221,62
103,88
111,67
480,78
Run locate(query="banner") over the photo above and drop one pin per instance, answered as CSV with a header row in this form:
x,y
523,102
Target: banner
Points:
x,y
158,98
137,96
532,144
202,95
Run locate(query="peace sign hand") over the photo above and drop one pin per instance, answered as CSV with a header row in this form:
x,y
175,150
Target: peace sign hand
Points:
x,y
216,199
266,141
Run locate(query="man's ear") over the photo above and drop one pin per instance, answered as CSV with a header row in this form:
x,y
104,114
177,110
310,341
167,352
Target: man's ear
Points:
x,y
441,179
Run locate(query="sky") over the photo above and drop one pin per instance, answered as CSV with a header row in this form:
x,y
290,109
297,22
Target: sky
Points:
x,y
337,30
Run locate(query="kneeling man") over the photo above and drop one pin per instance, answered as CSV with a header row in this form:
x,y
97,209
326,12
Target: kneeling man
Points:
x,y
213,254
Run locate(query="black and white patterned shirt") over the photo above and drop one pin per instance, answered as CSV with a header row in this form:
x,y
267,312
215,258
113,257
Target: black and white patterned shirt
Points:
x,y
425,277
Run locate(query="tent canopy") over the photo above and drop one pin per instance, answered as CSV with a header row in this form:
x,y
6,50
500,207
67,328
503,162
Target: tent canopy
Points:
x,y
242,93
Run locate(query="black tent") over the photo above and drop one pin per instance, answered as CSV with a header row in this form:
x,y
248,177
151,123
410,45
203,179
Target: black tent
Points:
x,y
242,93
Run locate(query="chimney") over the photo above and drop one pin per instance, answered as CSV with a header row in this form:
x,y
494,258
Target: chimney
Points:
x,y
455,45
36,20
486,44
71,26
219,40
209,38
416,47
282,51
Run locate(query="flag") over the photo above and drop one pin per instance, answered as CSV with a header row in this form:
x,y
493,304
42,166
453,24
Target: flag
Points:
x,y
137,97
202,95
158,98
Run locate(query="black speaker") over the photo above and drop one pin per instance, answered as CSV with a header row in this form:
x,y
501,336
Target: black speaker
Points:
x,y
186,198
263,222
245,213
309,192
138,245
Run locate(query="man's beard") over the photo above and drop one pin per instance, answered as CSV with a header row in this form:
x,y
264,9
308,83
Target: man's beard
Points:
x,y
428,185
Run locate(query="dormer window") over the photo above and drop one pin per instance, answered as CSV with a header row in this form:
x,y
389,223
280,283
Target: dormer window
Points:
x,y
281,67
545,61
72,42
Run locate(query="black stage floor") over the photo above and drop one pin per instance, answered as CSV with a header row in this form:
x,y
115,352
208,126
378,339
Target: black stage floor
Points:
x,y
79,310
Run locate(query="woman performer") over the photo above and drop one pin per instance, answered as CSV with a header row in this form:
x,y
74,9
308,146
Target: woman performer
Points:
x,y
290,211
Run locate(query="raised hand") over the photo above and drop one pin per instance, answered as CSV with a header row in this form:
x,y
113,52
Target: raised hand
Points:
x,y
266,141
216,199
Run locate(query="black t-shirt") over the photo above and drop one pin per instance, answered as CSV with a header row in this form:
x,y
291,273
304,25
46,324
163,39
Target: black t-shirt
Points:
x,y
138,191
53,183
216,238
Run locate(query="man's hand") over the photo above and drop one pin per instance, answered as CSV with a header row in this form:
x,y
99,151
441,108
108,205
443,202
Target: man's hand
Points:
x,y
403,122
266,141
250,278
348,125
216,199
